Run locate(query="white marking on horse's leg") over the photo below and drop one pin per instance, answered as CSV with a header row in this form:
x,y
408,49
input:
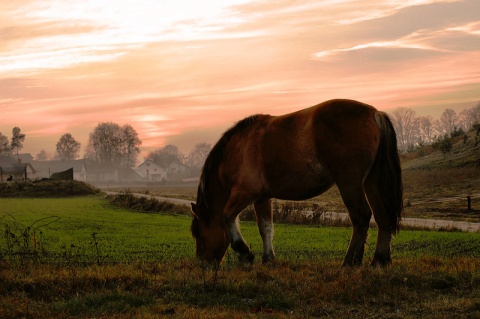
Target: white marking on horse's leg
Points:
x,y
234,229
238,242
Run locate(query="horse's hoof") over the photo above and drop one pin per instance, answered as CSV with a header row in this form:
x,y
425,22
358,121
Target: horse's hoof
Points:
x,y
246,258
381,261
268,259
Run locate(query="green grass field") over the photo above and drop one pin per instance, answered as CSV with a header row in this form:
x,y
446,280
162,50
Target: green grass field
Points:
x,y
142,265
89,229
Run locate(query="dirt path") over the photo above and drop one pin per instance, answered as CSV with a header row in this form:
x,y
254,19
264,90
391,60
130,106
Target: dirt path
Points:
x,y
415,222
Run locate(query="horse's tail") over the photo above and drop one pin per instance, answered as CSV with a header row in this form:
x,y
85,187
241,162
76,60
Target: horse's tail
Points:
x,y
389,171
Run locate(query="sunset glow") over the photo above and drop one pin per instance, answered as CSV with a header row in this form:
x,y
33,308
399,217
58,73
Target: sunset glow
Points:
x,y
180,72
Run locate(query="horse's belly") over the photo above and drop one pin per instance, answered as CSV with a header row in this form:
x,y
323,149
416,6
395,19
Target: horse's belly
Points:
x,y
302,182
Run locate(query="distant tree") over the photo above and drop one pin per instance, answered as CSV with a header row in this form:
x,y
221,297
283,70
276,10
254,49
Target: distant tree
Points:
x,y
4,146
425,125
17,139
406,127
67,147
166,155
106,141
42,156
466,119
131,145
109,143
196,158
447,122
475,113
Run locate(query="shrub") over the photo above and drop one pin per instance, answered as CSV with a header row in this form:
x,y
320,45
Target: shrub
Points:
x,y
47,188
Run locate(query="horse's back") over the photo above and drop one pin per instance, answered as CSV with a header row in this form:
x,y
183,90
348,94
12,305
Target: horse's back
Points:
x,y
299,155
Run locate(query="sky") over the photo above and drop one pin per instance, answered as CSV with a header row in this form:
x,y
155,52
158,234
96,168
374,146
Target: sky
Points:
x,y
181,72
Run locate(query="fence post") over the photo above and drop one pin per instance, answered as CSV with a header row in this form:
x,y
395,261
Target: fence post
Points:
x,y
469,202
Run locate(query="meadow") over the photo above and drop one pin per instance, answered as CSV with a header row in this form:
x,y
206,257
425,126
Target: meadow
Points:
x,y
82,257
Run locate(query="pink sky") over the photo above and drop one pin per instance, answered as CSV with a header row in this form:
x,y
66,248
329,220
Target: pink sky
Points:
x,y
181,72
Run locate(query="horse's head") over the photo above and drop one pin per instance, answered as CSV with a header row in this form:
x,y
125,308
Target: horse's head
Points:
x,y
211,237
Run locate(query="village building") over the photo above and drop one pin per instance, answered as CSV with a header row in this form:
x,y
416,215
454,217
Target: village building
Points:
x,y
150,171
14,170
45,169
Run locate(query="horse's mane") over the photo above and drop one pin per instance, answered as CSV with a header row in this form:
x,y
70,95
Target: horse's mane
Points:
x,y
213,161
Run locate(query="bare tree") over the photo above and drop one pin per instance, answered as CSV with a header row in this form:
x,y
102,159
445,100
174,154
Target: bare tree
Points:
x,y
475,113
67,147
4,146
196,158
466,119
425,126
447,123
406,127
17,139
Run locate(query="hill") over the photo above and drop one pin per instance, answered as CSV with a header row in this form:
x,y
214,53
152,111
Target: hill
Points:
x,y
464,153
436,184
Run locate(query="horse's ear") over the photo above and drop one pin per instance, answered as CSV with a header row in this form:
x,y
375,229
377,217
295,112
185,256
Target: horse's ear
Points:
x,y
195,211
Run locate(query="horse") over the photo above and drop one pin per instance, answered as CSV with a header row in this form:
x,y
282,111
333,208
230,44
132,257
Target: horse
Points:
x,y
297,156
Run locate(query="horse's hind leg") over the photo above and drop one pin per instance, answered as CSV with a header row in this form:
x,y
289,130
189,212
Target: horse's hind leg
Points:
x,y
263,210
360,214
382,251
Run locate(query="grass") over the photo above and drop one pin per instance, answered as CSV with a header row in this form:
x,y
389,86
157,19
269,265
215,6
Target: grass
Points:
x,y
141,265
89,228
426,287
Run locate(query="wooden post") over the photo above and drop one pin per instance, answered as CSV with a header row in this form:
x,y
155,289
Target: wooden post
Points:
x,y
469,202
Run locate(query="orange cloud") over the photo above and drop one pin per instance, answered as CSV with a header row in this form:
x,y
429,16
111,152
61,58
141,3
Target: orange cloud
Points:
x,y
183,71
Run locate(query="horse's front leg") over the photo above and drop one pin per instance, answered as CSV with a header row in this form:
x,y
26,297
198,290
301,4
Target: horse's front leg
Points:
x,y
238,243
235,205
263,210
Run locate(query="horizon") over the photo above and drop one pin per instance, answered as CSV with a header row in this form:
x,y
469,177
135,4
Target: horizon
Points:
x,y
182,77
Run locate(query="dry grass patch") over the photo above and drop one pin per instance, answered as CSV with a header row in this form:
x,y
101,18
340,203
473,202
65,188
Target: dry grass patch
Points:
x,y
428,288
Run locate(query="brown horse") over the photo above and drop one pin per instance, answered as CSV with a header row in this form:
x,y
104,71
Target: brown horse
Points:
x,y
294,157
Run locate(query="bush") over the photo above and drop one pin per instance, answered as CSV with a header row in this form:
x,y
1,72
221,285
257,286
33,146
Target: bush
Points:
x,y
445,145
147,204
47,188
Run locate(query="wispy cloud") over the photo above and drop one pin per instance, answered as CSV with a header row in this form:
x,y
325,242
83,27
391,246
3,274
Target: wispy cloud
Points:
x,y
182,71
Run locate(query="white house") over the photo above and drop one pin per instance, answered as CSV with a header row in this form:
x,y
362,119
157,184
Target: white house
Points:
x,y
151,171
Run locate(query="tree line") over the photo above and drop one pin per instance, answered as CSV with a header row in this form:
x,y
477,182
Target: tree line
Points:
x,y
109,144
414,131
112,144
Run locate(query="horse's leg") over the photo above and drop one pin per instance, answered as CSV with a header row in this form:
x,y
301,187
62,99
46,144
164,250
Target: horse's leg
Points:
x,y
263,210
360,213
235,204
382,250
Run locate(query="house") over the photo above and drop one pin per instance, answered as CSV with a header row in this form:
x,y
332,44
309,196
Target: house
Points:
x,y
45,169
100,173
150,171
11,169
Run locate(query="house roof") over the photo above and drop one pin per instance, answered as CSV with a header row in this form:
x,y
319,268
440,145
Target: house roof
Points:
x,y
15,168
